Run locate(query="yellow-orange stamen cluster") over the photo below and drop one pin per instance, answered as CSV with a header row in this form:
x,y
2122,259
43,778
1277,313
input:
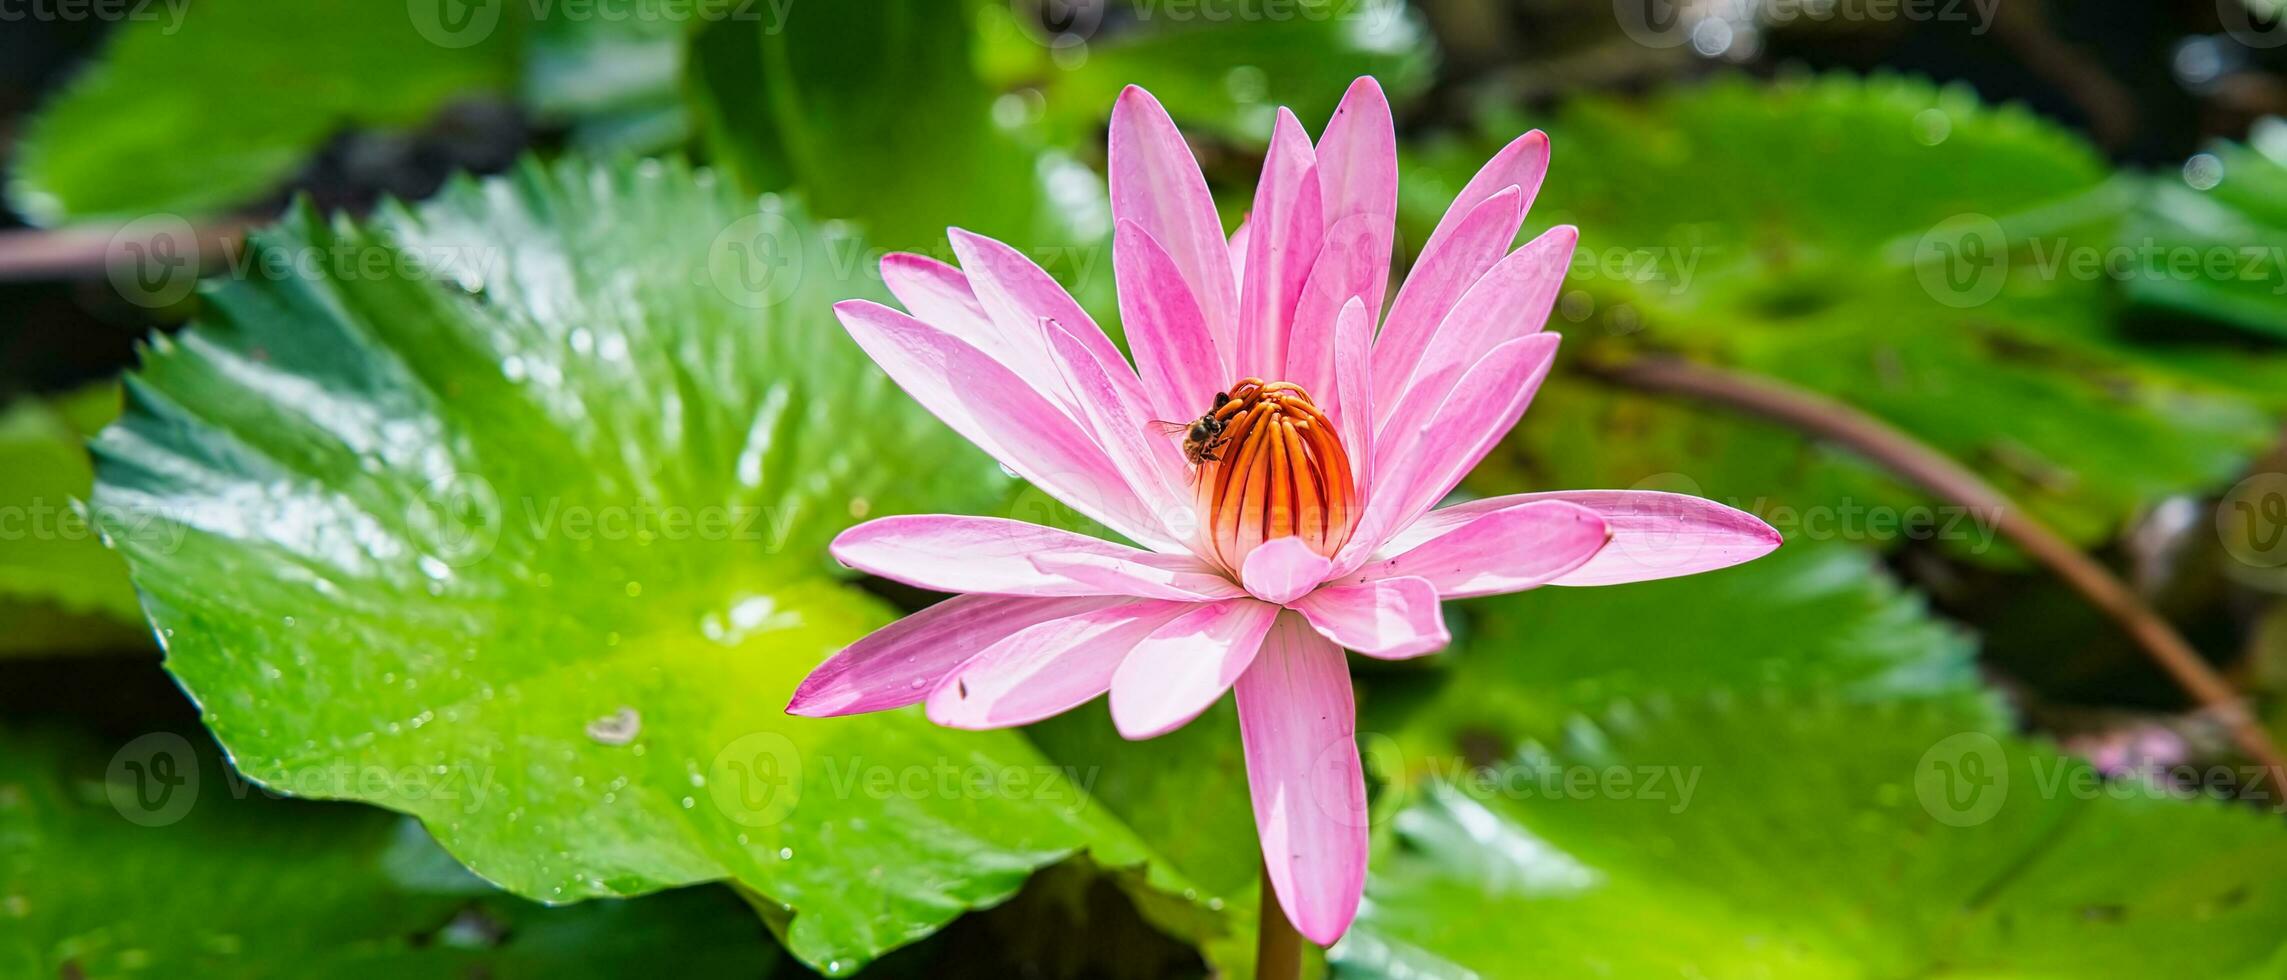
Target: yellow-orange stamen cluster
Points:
x,y
1280,471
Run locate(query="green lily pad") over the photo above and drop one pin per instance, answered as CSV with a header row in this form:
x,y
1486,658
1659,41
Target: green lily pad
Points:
x,y
1804,837
1805,618
2221,238
157,862
1895,245
553,513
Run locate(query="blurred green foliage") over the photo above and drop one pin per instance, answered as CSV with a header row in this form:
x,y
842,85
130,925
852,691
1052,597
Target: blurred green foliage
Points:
x,y
60,588
218,879
1886,242
201,119
2226,215
877,114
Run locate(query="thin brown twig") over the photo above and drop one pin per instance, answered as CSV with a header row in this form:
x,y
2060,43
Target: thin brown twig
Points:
x,y
1908,457
2026,29
90,252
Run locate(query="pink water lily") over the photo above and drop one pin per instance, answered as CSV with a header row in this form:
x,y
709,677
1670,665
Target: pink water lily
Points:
x,y
1295,523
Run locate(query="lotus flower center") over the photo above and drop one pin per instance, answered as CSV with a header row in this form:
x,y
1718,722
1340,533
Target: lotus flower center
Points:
x,y
1276,469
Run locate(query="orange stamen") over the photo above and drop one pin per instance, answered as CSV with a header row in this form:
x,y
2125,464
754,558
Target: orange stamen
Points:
x,y
1282,472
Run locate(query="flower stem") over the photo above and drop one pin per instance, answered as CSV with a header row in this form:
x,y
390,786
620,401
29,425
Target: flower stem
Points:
x,y
1278,948
1908,457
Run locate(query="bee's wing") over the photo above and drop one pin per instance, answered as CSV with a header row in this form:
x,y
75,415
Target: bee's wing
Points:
x,y
1167,428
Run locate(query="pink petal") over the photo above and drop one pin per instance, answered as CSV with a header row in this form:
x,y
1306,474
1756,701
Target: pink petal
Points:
x,y
1420,400
1022,298
1390,618
1416,465
1438,280
897,664
1176,353
1156,183
1282,570
1117,417
990,405
1239,246
1299,726
1474,232
1358,175
1181,668
1654,535
1045,669
1510,301
941,296
989,554
938,294
1347,259
1521,165
1353,412
1502,550
1333,359
1288,224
